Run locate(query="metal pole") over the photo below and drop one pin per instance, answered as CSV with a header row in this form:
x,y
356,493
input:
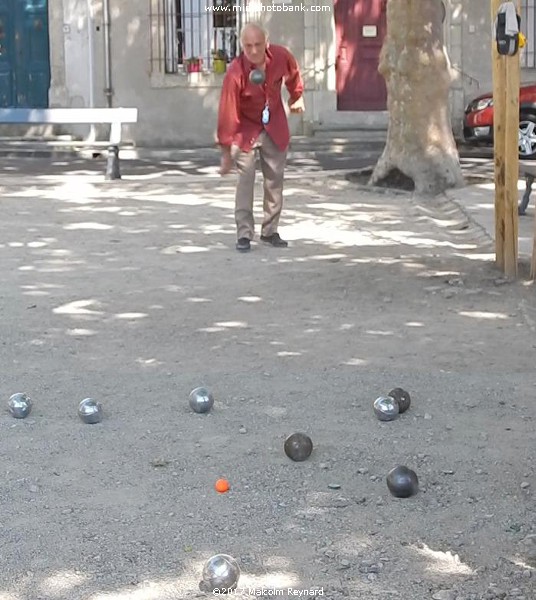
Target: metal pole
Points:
x,y
112,164
108,92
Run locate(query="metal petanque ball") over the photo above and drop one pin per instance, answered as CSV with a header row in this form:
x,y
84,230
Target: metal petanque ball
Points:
x,y
402,398
298,446
90,411
257,76
20,405
386,408
201,400
220,574
402,482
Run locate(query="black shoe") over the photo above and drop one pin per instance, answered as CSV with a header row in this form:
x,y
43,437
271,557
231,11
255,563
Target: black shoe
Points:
x,y
243,245
275,240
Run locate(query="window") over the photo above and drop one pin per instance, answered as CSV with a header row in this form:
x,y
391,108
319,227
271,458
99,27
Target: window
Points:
x,y
189,35
528,27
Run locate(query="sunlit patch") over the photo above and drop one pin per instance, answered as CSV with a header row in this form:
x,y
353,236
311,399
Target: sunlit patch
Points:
x,y
414,324
8,596
131,315
355,362
478,314
332,257
15,244
211,329
440,274
77,307
80,332
477,256
276,343
89,225
250,299
312,330
198,300
177,226
346,326
232,324
191,249
519,563
37,244
27,268
287,353
184,249
36,293
444,562
379,332
61,583
148,361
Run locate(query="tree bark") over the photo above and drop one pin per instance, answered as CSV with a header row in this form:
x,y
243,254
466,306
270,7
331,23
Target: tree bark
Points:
x,y
420,143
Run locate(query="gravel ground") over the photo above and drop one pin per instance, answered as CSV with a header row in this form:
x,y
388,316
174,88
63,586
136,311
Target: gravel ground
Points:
x,y
133,294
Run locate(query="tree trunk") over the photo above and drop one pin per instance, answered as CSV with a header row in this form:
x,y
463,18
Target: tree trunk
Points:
x,y
413,61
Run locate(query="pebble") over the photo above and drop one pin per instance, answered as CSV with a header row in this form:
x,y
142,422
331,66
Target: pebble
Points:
x,y
242,430
525,485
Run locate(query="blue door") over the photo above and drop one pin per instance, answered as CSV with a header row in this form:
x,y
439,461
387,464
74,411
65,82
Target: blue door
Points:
x,y
24,54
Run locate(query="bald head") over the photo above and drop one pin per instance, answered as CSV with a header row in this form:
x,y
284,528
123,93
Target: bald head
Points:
x,y
253,28
254,40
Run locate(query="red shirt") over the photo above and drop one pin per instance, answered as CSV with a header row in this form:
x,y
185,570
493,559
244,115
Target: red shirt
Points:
x,y
242,102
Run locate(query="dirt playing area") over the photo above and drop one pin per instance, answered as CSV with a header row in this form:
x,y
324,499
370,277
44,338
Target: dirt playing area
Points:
x,y
132,293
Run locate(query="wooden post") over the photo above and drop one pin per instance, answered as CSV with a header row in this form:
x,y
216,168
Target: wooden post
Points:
x,y
499,99
506,141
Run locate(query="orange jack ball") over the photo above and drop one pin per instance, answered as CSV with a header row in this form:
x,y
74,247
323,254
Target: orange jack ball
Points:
x,y
222,486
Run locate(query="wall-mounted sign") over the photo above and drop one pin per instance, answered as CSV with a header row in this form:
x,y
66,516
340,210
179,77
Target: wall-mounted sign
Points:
x,y
369,31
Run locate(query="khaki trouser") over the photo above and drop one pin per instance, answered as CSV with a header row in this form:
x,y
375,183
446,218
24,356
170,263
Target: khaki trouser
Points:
x,y
272,161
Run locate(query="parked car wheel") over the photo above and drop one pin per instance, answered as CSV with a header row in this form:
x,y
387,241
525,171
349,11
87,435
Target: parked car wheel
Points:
x,y
527,136
478,121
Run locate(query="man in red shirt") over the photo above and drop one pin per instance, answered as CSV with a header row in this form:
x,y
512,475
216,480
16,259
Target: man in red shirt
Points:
x,y
252,117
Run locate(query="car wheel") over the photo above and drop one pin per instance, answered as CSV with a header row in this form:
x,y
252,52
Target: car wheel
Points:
x,y
527,136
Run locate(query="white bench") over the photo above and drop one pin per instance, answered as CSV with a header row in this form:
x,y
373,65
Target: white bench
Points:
x,y
79,116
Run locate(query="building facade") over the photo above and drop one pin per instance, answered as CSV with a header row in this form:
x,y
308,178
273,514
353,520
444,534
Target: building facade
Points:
x,y
167,58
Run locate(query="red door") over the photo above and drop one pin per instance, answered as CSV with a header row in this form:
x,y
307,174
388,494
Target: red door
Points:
x,y
361,27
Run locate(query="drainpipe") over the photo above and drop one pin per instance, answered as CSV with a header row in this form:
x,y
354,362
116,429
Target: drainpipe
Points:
x,y
91,64
108,92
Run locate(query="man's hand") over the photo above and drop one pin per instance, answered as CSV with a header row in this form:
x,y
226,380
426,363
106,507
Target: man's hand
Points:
x,y
298,106
226,162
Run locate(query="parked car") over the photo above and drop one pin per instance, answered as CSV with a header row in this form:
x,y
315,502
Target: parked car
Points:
x,y
478,120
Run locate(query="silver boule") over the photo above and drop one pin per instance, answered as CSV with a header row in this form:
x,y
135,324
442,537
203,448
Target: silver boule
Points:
x,y
201,400
90,411
220,574
386,408
257,76
20,405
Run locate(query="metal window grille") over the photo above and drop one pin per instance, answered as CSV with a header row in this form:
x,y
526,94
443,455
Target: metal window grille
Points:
x,y
528,27
188,35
